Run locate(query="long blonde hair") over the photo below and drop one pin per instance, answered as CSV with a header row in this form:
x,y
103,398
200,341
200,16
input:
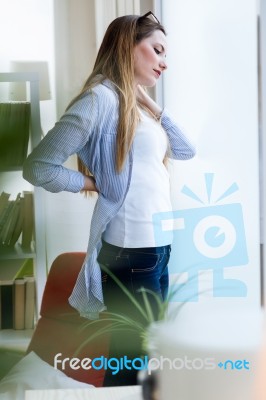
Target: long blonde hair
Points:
x,y
115,61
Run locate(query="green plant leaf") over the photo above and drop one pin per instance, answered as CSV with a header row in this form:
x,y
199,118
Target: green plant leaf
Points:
x,y
126,291
147,305
113,317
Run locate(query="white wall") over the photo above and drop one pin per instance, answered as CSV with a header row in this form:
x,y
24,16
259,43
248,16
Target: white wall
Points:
x,y
211,89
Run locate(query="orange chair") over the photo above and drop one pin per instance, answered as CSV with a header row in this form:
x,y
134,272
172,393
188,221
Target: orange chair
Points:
x,y
58,329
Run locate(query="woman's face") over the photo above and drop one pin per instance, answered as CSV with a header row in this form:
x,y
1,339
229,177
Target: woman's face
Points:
x,y
149,59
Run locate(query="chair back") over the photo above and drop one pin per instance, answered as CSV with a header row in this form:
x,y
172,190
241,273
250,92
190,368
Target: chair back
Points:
x,y
60,329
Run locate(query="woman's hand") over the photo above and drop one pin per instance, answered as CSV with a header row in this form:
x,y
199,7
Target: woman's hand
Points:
x,y
144,99
89,184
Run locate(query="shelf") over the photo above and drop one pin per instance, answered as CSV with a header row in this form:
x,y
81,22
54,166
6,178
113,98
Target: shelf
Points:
x,y
12,182
15,339
16,252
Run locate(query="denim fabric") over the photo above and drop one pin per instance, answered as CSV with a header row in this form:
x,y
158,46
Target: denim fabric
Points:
x,y
135,268
141,267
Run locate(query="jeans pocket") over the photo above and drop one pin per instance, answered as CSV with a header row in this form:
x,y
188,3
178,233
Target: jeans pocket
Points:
x,y
143,262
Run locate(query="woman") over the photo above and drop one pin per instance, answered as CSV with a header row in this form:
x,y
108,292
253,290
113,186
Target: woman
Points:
x,y
123,138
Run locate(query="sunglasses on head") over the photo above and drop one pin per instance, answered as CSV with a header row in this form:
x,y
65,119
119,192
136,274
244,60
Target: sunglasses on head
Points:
x,y
150,15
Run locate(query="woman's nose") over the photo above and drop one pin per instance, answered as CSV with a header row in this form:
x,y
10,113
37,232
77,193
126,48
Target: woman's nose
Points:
x,y
163,65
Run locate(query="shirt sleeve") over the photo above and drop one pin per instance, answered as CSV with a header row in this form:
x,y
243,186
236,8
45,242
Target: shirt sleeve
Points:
x,y
44,166
181,147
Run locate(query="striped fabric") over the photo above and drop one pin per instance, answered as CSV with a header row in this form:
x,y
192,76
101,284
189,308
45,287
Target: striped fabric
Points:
x,y
88,128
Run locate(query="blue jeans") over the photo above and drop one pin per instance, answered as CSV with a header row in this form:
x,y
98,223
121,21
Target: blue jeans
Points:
x,y
135,268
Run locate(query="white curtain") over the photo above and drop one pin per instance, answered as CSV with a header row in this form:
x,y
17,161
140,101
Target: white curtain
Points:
x,y
107,10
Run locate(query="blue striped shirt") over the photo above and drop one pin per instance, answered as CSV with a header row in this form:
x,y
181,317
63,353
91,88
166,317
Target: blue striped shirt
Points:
x,y
89,129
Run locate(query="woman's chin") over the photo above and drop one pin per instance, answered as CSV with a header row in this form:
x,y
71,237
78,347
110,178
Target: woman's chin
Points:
x,y
147,82
150,83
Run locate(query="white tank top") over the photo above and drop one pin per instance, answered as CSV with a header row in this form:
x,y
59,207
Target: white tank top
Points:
x,y
149,190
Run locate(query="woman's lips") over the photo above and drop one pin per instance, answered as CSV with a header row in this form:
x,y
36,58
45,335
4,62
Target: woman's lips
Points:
x,y
158,73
